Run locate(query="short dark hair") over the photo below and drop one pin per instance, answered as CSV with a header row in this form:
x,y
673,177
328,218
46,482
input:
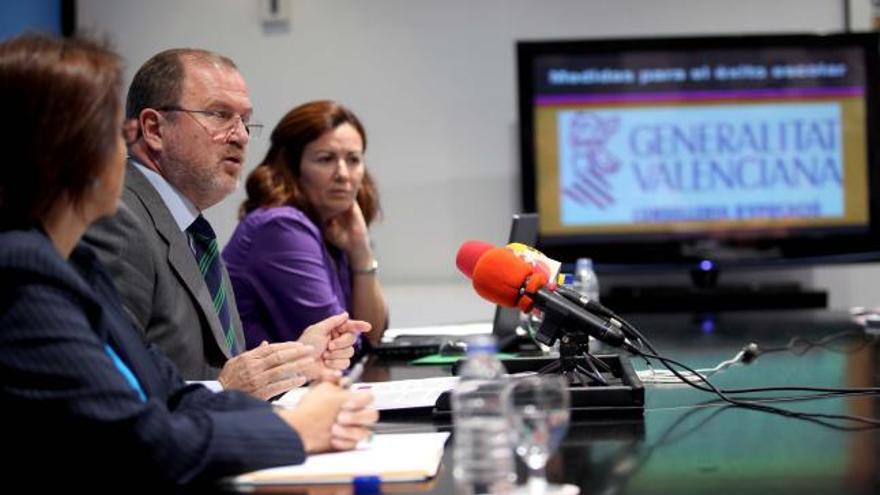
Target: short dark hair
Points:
x,y
159,81
62,98
275,181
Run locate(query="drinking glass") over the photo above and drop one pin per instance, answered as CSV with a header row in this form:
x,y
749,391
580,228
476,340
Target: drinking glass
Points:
x,y
538,412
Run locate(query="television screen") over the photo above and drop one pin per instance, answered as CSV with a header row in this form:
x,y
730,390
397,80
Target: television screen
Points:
x,y
747,149
53,17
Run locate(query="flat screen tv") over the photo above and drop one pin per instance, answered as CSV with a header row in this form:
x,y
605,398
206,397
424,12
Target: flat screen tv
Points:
x,y
740,150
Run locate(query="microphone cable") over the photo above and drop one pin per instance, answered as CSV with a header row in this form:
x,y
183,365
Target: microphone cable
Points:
x,y
825,419
692,377
798,345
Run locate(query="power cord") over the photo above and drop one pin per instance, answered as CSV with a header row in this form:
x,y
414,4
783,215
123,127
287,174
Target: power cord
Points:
x,y
652,375
819,418
640,345
797,345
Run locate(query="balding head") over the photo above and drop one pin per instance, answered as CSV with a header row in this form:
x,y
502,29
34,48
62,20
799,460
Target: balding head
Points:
x,y
159,82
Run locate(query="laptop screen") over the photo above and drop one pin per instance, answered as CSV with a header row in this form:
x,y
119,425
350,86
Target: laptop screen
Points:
x,y
524,230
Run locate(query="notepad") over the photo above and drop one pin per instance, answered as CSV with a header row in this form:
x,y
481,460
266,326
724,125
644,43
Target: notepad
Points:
x,y
393,457
396,394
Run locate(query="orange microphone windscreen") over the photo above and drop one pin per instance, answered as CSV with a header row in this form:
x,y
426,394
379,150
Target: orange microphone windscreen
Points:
x,y
468,255
498,276
535,282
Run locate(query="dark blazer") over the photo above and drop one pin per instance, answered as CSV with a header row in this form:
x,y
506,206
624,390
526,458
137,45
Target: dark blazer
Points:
x,y
68,408
150,261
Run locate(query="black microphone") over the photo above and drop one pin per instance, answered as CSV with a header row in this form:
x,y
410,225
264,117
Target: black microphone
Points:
x,y
595,307
584,302
560,313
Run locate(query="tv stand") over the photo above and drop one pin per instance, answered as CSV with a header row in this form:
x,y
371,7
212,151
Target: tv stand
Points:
x,y
715,298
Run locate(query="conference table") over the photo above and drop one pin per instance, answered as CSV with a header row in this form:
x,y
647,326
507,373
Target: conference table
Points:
x,y
687,441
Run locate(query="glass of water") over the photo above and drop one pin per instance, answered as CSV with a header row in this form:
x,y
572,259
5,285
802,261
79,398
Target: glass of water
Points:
x,y
538,413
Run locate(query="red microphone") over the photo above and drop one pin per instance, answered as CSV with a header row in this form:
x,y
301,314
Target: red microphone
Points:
x,y
471,251
468,254
501,277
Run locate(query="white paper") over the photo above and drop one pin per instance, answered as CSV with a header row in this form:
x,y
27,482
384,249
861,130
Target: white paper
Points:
x,y
480,328
395,394
391,457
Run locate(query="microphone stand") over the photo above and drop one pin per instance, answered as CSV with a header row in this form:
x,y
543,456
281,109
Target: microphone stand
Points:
x,y
575,362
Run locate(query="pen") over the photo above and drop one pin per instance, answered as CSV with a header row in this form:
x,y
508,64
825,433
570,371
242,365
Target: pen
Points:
x,y
353,376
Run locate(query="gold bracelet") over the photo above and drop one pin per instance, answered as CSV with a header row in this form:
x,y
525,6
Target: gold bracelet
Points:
x,y
372,268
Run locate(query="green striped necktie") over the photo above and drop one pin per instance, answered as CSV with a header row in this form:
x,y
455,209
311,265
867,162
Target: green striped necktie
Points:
x,y
207,255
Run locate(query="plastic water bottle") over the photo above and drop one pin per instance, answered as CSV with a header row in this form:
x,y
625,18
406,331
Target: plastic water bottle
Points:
x,y
483,455
587,284
585,280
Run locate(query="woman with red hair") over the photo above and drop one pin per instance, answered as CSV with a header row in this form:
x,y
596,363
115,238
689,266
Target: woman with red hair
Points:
x,y
302,251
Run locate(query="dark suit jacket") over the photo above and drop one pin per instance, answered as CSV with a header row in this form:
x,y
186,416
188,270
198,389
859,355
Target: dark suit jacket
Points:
x,y
150,261
66,406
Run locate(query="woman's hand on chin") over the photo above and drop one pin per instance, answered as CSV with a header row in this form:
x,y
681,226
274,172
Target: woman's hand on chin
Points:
x,y
348,231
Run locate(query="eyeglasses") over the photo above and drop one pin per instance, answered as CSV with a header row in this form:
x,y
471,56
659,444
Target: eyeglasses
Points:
x,y
221,120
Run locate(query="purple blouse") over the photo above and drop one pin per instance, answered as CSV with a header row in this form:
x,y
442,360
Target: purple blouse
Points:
x,y
284,276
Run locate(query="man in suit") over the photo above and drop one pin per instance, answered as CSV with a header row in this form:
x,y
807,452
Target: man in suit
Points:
x,y
188,124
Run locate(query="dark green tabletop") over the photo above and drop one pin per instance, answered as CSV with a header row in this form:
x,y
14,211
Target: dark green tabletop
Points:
x,y
687,442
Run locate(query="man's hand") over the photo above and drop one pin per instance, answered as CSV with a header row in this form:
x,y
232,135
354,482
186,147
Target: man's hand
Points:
x,y
270,369
333,340
331,418
354,421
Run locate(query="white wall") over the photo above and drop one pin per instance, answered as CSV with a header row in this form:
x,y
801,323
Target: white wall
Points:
x,y
434,82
